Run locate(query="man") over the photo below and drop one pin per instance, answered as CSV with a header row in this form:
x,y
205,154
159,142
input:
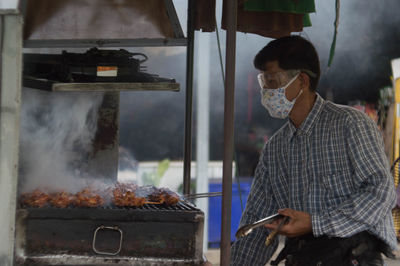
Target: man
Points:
x,y
325,169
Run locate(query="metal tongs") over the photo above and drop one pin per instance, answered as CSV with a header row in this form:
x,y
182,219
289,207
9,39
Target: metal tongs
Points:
x,y
246,229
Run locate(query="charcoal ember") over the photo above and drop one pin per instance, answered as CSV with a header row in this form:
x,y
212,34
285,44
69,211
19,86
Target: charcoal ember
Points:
x,y
36,198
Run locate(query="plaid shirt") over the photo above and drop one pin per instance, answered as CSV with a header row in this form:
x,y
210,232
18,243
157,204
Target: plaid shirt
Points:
x,y
334,168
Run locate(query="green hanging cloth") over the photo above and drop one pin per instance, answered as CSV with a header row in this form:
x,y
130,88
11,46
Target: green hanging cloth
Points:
x,y
336,24
306,20
287,6
291,6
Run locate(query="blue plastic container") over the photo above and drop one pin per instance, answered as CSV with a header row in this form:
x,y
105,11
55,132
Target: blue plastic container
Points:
x,y
215,206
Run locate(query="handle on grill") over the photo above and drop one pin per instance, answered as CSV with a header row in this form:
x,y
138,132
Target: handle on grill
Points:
x,y
102,227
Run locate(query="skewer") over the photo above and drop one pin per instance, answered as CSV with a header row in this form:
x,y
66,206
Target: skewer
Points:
x,y
153,202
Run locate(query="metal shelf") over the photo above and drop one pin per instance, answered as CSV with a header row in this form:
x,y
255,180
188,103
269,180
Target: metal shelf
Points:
x,y
89,43
49,85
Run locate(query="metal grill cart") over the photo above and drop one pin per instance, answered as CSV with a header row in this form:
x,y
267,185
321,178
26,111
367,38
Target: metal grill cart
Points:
x,y
106,234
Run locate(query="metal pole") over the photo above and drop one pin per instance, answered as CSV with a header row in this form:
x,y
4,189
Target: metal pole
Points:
x,y
1,52
189,99
203,48
11,61
231,15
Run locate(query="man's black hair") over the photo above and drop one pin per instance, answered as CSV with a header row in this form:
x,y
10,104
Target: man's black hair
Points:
x,y
291,52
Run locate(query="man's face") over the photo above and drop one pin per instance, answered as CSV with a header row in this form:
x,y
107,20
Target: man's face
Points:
x,y
275,77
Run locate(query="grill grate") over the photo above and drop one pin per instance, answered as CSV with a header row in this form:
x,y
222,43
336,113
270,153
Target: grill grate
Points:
x,y
181,211
180,206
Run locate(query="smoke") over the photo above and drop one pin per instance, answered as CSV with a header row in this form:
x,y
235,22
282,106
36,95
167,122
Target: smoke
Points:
x,y
57,130
367,40
147,117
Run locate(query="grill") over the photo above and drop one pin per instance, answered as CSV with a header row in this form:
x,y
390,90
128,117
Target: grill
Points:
x,y
148,235
154,234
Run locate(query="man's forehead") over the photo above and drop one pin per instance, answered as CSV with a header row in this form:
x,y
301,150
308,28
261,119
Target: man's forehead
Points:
x,y
272,67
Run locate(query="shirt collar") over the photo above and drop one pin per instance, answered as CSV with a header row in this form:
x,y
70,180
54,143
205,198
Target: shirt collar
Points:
x,y
306,126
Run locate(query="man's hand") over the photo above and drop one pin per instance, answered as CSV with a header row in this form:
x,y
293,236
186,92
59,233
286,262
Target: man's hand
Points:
x,y
299,223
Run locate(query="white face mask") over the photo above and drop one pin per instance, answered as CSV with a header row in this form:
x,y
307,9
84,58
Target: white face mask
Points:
x,y
275,101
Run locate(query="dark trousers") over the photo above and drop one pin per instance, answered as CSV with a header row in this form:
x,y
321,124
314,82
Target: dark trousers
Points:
x,y
362,249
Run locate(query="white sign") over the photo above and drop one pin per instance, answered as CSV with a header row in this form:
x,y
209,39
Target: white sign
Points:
x,y
396,68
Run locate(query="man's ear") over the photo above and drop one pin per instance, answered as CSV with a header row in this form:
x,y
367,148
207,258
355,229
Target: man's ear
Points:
x,y
304,80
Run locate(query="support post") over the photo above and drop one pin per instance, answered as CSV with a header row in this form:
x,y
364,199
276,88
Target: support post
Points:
x,y
203,125
231,14
10,103
189,99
